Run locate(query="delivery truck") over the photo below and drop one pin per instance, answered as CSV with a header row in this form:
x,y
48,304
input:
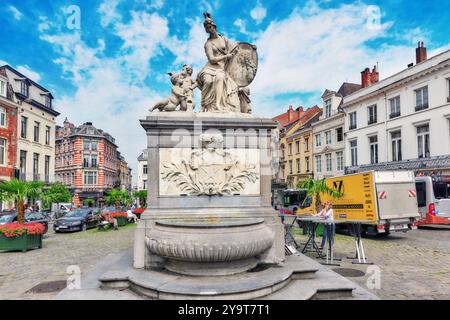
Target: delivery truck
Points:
x,y
385,200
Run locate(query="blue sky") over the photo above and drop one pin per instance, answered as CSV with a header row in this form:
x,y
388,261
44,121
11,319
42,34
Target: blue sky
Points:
x,y
112,69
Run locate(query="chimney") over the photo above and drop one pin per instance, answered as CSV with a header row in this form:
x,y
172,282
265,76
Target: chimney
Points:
x,y
375,76
365,78
421,53
290,113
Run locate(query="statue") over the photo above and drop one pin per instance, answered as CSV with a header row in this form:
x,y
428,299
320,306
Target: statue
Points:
x,y
182,92
230,66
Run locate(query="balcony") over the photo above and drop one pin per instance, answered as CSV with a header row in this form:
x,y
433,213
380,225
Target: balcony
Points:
x,y
422,107
394,115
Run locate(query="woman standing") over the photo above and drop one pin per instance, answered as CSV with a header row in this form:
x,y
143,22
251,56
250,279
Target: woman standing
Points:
x,y
327,214
219,91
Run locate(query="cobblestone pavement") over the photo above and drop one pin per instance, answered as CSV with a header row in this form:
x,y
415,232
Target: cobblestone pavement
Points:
x,y
413,265
20,272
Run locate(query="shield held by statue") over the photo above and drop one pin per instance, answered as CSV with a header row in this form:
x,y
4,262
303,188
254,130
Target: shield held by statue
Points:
x,y
243,65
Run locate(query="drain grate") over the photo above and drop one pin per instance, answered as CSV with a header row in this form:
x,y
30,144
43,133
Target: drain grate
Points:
x,y
48,286
349,273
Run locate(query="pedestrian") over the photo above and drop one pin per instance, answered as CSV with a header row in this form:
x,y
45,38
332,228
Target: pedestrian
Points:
x,y
131,215
329,227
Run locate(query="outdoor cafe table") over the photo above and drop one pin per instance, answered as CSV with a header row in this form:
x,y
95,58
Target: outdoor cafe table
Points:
x,y
312,222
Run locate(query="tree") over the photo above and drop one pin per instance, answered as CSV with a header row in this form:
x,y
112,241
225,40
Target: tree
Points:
x,y
19,192
117,197
56,193
88,202
316,187
142,196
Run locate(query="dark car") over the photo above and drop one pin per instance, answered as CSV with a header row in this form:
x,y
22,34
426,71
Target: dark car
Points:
x,y
76,220
29,218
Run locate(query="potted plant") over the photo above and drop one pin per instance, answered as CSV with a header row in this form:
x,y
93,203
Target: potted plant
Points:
x,y
20,237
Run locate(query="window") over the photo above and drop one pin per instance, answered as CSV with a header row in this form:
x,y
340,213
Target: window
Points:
x,y
354,152
35,166
23,127
47,135
298,165
2,117
306,144
144,184
94,145
86,145
73,178
47,167
2,88
328,162
86,161
448,88
307,163
144,169
36,131
395,107
340,160
23,162
318,163
328,137
339,134
90,177
396,138
24,88
328,108
290,148
291,169
423,141
352,120
2,151
297,146
48,101
94,161
318,140
421,98
373,143
372,114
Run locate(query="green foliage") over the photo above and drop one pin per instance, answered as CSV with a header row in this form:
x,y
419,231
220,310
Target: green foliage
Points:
x,y
56,193
88,202
18,192
117,197
316,187
142,196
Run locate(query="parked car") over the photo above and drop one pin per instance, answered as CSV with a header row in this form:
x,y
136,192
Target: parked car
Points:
x,y
76,220
29,217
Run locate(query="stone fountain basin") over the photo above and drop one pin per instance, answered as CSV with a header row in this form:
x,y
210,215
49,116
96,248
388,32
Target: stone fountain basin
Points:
x,y
219,245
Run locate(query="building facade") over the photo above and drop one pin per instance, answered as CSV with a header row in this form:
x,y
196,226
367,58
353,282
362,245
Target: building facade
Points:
x,y
123,181
8,129
36,123
328,134
142,171
86,160
295,149
403,121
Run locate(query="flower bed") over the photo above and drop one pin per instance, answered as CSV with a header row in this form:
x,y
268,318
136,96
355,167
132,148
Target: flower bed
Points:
x,y
138,212
21,237
121,218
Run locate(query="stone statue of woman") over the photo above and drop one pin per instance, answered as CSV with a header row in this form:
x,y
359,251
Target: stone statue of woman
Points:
x,y
219,90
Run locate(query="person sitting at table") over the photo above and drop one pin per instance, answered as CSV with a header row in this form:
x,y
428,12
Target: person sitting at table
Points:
x,y
328,231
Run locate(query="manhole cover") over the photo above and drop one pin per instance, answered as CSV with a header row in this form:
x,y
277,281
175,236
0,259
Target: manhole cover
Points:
x,y
49,286
350,273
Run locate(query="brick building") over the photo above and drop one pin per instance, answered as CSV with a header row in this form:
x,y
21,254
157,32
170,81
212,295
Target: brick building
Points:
x,y
86,160
8,128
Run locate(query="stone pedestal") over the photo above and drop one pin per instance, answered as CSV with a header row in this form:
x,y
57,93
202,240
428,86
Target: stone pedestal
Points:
x,y
209,199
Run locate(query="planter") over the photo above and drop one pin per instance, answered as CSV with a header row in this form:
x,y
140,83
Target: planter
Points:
x,y
22,243
122,221
138,215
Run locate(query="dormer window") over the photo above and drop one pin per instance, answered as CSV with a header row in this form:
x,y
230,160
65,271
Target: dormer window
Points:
x,y
328,108
24,88
2,88
48,101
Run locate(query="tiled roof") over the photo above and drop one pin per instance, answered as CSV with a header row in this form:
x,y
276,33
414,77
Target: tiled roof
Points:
x,y
348,88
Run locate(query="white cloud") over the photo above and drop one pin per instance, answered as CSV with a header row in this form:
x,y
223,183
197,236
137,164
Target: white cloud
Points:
x,y
258,13
108,12
26,70
44,24
16,13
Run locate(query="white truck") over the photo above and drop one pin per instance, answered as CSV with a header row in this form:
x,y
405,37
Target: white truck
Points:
x,y
433,198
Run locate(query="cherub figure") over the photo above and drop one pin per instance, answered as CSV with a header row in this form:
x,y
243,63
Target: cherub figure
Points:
x,y
178,94
188,85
